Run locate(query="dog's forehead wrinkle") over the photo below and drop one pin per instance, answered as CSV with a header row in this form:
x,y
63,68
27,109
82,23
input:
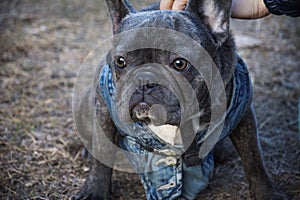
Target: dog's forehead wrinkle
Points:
x,y
160,19
184,22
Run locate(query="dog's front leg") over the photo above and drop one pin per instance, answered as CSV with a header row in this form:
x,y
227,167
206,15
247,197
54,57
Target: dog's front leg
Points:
x,y
98,183
245,139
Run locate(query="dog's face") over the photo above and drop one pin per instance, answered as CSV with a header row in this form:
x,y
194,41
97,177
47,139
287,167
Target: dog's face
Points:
x,y
152,70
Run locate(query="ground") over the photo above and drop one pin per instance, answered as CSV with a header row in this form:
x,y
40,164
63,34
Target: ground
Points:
x,y
42,46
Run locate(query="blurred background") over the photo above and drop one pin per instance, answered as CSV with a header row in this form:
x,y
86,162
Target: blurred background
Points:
x,y
43,43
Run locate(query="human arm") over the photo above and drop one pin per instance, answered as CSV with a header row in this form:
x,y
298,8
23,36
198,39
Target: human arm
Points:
x,y
247,9
253,9
243,9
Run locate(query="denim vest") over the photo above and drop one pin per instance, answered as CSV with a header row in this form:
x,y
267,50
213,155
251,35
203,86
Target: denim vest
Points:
x,y
174,179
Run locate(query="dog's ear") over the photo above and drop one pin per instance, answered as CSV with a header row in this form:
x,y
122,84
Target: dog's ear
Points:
x,y
215,13
118,9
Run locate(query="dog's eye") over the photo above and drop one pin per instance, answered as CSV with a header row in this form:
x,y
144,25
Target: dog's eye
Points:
x,y
180,64
120,62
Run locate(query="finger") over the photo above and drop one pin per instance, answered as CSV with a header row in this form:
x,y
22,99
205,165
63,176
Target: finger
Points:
x,y
179,4
166,4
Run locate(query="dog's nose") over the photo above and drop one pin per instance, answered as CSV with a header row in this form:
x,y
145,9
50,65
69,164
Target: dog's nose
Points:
x,y
146,88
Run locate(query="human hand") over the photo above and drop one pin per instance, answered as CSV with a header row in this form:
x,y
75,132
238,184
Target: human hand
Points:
x,y
173,4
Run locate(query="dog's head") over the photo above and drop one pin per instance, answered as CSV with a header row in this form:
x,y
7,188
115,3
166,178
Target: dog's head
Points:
x,y
144,68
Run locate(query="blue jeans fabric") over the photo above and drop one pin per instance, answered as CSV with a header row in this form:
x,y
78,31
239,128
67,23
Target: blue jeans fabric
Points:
x,y
174,179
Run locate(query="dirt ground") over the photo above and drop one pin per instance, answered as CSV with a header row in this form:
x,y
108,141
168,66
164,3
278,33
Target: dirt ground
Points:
x,y
42,45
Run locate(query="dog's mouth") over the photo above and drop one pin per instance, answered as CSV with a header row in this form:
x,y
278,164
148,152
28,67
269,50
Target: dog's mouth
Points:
x,y
150,114
156,106
141,112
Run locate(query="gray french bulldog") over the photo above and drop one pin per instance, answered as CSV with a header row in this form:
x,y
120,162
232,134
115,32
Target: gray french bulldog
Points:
x,y
153,102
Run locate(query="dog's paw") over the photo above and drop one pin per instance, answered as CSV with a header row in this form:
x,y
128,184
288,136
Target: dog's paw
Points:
x,y
90,191
91,195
